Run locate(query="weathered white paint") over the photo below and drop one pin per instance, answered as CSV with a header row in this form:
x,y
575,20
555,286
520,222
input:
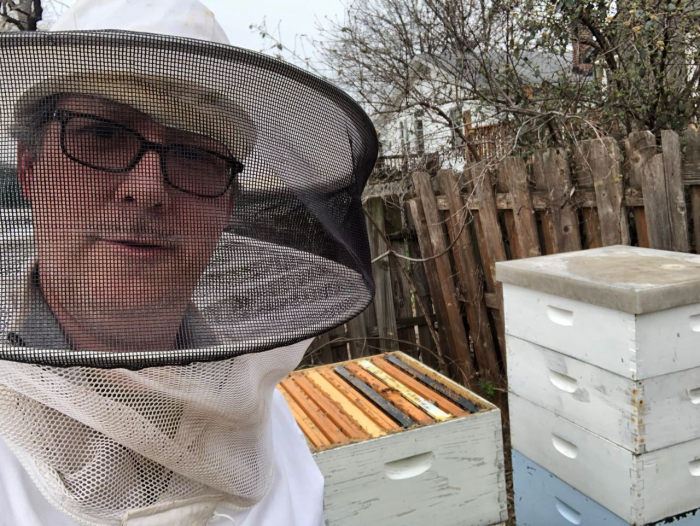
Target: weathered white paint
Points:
x,y
642,415
454,476
639,488
633,346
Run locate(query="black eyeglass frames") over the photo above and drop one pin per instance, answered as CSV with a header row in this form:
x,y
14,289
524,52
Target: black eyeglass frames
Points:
x,y
107,145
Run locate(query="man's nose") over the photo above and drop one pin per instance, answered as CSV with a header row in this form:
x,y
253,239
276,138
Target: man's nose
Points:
x,y
145,184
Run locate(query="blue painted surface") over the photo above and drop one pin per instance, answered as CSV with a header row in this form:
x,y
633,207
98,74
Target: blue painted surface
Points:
x,y
542,499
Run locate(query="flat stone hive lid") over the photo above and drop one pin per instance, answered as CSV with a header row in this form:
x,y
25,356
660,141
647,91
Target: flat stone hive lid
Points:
x,y
629,279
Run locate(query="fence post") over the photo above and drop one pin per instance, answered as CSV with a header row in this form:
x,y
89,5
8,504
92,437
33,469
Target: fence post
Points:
x,y
384,296
560,222
469,276
455,328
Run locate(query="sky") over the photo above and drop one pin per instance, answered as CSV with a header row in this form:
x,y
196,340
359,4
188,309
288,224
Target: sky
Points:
x,y
287,20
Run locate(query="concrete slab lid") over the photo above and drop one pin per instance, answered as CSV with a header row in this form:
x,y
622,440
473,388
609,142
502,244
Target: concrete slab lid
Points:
x,y
630,279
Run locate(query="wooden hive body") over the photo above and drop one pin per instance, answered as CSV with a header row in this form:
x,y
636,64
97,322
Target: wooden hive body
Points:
x,y
399,444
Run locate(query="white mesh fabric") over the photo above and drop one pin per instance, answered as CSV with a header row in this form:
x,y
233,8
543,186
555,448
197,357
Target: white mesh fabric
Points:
x,y
103,441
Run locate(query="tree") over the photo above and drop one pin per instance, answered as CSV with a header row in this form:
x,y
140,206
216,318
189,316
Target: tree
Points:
x,y
28,15
552,68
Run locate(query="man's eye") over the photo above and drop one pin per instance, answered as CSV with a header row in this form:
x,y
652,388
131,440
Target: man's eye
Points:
x,y
187,153
104,132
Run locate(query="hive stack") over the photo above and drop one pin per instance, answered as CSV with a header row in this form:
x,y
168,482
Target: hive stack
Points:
x,y
400,444
604,379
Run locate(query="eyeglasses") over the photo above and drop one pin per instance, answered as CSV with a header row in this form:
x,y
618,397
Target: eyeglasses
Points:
x,y
109,146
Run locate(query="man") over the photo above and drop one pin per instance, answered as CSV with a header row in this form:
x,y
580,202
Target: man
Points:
x,y
196,218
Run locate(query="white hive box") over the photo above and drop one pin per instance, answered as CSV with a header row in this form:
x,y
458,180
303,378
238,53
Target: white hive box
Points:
x,y
437,464
541,499
639,415
628,310
638,488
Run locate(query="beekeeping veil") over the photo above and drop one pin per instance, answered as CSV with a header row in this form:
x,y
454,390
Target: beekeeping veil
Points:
x,y
198,300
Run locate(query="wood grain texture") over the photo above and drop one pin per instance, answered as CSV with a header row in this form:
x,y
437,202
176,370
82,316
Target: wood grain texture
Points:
x,y
560,222
355,413
432,278
600,158
675,191
656,204
442,402
363,404
490,233
390,394
458,351
329,429
384,296
469,277
334,412
313,434
463,483
512,171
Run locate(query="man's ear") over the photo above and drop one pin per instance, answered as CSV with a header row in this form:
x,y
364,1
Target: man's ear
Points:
x,y
25,170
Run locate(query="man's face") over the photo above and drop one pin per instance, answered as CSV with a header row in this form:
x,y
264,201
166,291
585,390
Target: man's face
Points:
x,y
122,251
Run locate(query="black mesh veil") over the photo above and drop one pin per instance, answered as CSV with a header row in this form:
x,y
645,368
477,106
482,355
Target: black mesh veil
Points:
x,y
167,201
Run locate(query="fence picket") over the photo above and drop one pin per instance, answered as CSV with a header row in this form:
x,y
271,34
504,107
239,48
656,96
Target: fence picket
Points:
x,y
469,277
551,173
675,191
459,350
601,157
513,175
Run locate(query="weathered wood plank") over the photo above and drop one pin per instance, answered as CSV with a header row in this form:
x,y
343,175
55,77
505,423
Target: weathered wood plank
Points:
x,y
402,299
656,203
369,409
459,348
675,191
366,389
312,433
357,335
340,418
601,158
318,417
384,296
389,394
552,175
441,401
492,238
426,378
469,277
426,252
512,170
369,427
639,147
421,403
695,210
691,156
416,271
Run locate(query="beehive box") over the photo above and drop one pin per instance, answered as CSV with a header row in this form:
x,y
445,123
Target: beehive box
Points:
x,y
639,488
542,499
399,444
632,311
639,415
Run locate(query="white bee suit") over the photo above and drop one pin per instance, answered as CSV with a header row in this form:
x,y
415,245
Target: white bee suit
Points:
x,y
296,496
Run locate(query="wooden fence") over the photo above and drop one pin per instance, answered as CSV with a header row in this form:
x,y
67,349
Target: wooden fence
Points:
x,y
447,308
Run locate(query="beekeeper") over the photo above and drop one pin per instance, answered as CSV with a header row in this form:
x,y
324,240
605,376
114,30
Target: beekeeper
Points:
x,y
195,220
